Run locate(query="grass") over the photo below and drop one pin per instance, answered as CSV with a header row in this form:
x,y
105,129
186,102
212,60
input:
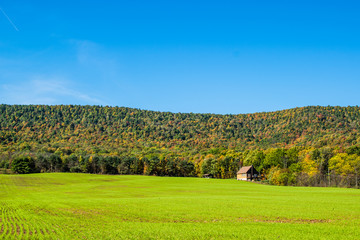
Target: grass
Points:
x,y
85,206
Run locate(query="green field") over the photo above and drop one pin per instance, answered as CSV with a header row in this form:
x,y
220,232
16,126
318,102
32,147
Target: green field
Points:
x,y
84,206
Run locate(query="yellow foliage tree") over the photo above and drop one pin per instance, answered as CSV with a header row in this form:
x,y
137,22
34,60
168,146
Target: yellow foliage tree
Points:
x,y
309,166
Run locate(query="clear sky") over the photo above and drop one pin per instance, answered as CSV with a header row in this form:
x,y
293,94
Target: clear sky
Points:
x,y
181,56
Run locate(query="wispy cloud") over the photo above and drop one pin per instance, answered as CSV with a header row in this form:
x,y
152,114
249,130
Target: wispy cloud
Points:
x,y
8,18
42,90
85,73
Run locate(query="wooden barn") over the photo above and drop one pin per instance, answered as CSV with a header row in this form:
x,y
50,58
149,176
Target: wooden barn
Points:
x,y
248,173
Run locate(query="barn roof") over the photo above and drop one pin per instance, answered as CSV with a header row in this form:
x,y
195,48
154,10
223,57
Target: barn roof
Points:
x,y
244,169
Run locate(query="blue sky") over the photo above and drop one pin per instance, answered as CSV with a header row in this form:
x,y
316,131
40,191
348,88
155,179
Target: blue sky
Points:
x,y
181,56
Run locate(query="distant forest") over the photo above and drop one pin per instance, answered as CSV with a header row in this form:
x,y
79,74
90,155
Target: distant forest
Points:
x,y
308,146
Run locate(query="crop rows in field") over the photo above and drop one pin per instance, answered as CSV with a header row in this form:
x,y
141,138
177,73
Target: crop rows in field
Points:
x,y
17,223
88,206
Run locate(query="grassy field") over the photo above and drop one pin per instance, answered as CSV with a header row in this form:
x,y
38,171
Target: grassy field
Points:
x,y
84,206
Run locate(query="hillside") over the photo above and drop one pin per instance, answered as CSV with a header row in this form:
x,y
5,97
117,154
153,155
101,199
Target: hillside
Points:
x,y
315,146
109,128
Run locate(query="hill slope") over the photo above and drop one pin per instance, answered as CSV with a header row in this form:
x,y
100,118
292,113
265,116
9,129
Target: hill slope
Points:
x,y
109,128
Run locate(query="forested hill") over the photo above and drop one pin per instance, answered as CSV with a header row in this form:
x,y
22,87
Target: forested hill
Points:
x,y
109,129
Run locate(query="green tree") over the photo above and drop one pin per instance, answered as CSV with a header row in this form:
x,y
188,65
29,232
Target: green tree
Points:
x,y
255,158
23,165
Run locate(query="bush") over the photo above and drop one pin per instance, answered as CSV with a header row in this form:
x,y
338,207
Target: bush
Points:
x,y
75,169
23,165
2,164
281,177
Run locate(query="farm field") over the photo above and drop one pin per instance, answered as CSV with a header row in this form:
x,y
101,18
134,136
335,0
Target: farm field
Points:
x,y
85,206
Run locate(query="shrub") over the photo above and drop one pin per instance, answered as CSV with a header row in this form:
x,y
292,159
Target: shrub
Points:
x,y
281,177
75,169
23,165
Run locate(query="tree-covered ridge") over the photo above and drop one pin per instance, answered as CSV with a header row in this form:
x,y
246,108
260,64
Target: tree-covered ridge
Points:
x,y
114,127
316,146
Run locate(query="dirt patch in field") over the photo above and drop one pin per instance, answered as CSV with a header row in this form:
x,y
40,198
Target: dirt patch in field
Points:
x,y
82,212
44,211
164,220
284,220
104,180
55,183
22,181
23,228
18,229
110,187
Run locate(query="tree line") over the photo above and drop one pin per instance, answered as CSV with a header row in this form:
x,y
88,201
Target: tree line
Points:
x,y
297,166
